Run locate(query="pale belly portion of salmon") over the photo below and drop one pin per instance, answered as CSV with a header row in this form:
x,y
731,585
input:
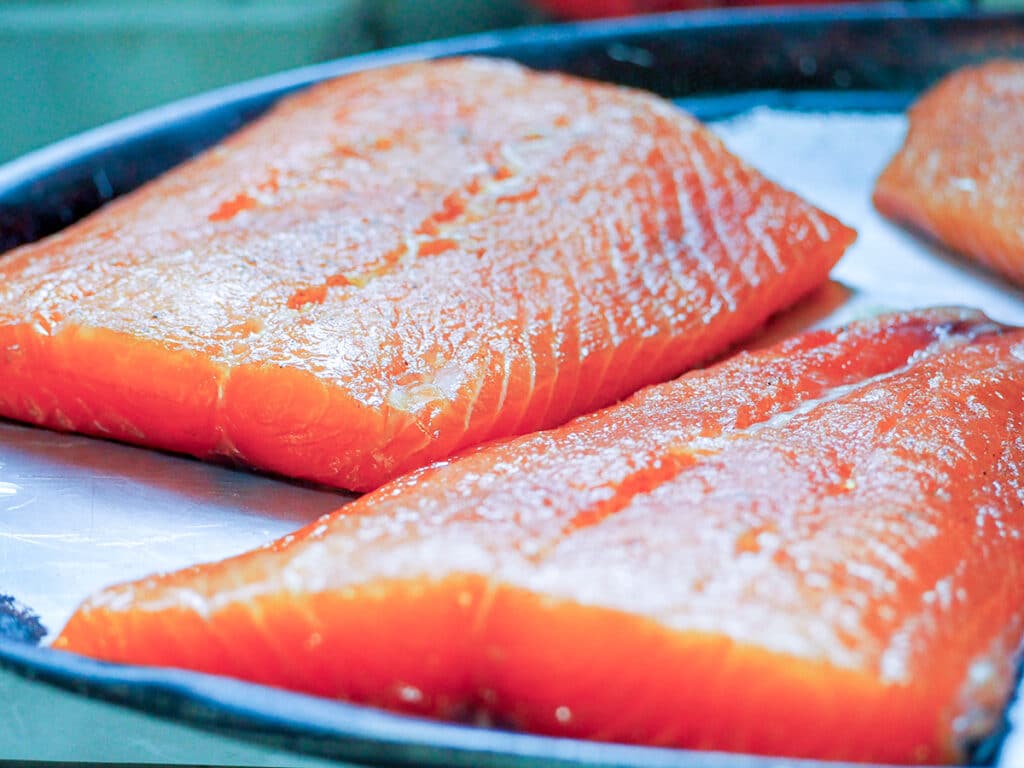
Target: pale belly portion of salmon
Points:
x,y
401,263
808,550
959,176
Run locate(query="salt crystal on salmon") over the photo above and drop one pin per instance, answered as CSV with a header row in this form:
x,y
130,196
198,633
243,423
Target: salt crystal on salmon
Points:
x,y
810,550
959,176
401,263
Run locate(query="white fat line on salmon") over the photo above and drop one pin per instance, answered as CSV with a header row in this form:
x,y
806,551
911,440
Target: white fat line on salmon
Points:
x,y
819,225
945,340
694,237
734,251
474,207
225,444
695,447
516,163
757,225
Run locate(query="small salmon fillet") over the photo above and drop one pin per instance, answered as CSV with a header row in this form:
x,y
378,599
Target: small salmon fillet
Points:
x,y
809,550
401,263
959,176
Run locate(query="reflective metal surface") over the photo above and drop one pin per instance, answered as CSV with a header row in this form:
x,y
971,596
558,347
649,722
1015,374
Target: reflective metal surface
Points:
x,y
78,514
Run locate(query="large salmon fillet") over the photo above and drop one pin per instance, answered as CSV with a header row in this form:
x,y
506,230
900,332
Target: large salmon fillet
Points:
x,y
959,176
809,550
401,263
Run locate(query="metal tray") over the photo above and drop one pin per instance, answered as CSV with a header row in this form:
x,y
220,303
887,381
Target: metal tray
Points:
x,y
76,513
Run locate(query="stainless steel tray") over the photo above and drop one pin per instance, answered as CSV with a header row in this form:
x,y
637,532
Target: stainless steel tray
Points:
x,y
813,98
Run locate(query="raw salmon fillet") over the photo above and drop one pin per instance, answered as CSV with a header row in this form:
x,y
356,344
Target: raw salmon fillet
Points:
x,y
959,176
399,264
809,550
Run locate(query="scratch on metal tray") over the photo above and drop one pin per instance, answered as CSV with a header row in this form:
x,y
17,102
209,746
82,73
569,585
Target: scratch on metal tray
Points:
x,y
160,538
26,503
41,538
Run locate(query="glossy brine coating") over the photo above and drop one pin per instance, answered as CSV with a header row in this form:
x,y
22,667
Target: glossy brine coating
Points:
x,y
400,263
808,550
959,176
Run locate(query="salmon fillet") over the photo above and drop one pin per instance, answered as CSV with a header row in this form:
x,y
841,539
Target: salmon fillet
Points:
x,y
959,176
809,550
401,263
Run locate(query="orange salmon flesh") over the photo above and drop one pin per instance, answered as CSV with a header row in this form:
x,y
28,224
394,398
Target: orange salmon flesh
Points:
x,y
399,264
959,176
808,550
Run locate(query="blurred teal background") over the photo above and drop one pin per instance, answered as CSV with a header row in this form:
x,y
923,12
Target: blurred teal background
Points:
x,y
38,722
70,65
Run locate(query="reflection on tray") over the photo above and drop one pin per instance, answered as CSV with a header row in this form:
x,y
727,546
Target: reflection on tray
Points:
x,y
43,454
79,514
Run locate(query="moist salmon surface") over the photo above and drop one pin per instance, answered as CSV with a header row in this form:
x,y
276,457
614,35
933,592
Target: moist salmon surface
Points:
x,y
401,263
812,550
959,176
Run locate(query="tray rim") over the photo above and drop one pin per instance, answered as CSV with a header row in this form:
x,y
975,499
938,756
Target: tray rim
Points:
x,y
255,711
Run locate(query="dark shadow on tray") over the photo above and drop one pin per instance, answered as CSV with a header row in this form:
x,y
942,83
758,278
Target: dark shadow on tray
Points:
x,y
805,314
973,270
